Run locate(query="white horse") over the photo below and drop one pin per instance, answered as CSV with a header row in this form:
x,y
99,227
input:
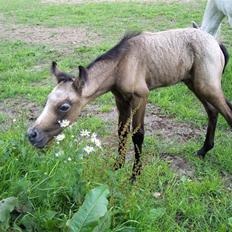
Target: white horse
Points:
x,y
214,13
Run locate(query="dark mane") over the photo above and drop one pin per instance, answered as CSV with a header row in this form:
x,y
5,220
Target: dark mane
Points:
x,y
117,50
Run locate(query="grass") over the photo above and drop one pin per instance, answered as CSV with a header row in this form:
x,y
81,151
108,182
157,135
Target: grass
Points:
x,y
50,189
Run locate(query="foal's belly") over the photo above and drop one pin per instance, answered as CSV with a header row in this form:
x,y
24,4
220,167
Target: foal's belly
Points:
x,y
168,70
166,80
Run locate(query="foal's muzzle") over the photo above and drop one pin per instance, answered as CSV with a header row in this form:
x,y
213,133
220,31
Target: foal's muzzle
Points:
x,y
37,137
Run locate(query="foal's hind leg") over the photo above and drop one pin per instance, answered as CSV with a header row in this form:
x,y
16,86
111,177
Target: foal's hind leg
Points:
x,y
216,98
138,111
212,122
124,120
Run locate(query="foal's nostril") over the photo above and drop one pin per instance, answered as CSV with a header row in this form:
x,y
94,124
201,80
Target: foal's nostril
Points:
x,y
32,133
37,137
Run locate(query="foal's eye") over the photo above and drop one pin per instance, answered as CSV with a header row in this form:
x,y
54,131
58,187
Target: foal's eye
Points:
x,y
65,107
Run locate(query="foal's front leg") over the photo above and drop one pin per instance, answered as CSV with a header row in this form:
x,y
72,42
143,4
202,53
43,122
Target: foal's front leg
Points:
x,y
138,112
124,121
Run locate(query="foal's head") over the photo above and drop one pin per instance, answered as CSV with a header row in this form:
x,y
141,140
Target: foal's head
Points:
x,y
63,103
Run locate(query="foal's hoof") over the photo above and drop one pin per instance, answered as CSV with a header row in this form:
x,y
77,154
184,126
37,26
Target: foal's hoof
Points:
x,y
199,155
117,166
132,179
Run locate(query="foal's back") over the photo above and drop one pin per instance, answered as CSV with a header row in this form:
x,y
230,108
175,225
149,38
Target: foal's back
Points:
x,y
165,58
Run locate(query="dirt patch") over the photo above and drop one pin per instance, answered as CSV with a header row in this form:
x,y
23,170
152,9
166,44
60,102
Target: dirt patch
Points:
x,y
15,108
63,37
227,179
178,164
95,110
99,1
167,127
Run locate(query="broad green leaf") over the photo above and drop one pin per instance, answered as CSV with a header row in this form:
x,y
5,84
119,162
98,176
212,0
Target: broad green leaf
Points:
x,y
6,206
104,224
93,208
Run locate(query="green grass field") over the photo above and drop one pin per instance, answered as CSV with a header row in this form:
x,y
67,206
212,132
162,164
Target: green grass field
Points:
x,y
50,188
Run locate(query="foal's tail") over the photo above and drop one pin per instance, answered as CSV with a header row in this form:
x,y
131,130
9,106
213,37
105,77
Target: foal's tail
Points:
x,y
225,53
226,56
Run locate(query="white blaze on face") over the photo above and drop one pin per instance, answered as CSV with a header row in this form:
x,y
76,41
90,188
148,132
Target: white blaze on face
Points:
x,y
48,115
45,117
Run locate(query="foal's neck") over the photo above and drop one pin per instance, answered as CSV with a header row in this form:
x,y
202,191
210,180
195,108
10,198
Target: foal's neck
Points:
x,y
100,79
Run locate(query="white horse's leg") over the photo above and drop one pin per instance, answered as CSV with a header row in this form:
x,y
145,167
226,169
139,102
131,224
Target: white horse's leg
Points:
x,y
212,18
230,20
217,35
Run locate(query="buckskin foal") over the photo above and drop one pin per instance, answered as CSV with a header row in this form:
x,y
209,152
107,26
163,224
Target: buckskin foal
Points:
x,y
137,64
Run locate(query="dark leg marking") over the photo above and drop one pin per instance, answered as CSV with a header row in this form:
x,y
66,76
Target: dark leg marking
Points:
x,y
137,139
138,106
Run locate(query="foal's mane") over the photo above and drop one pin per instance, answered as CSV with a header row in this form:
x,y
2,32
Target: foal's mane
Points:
x,y
119,49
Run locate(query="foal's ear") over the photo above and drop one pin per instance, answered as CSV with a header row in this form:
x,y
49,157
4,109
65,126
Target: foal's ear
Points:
x,y
60,76
83,77
195,25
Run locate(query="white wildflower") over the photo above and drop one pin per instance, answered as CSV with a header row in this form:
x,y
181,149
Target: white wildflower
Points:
x,y
14,120
64,123
93,139
88,149
85,133
156,194
94,136
69,159
96,141
60,137
58,154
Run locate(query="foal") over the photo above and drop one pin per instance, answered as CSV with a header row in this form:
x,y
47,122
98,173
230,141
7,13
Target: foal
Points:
x,y
137,64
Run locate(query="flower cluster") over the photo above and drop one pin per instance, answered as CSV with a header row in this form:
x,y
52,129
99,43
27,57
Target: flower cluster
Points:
x,y
90,139
93,139
59,138
85,133
88,149
64,123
